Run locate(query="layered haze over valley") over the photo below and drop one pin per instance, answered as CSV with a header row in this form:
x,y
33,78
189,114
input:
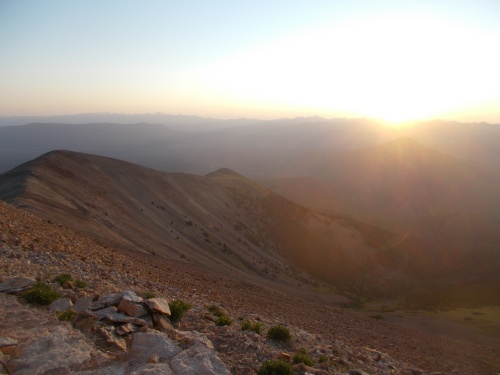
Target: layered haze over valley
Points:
x,y
328,168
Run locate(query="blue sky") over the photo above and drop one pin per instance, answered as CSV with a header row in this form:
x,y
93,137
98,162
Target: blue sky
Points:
x,y
395,60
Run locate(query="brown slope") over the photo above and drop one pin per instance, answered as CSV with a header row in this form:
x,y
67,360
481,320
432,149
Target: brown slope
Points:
x,y
222,221
34,247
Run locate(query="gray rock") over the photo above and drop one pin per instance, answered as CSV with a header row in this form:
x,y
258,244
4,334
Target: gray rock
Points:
x,y
83,303
152,343
7,341
122,318
158,305
153,369
58,348
199,360
130,296
103,312
131,308
119,368
162,322
112,338
126,328
16,285
106,301
194,337
85,320
62,304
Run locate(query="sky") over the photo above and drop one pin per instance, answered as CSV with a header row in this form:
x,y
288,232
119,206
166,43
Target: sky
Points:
x,y
391,60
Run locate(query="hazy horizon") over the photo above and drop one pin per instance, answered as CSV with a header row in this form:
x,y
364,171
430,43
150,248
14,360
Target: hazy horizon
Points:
x,y
386,60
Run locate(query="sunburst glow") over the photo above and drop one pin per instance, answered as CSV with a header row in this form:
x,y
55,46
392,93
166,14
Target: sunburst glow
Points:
x,y
393,69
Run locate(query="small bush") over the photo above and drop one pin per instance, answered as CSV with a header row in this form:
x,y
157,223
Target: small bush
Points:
x,y
80,284
247,325
323,358
215,310
67,315
148,295
279,333
62,278
41,293
223,320
302,357
177,309
275,367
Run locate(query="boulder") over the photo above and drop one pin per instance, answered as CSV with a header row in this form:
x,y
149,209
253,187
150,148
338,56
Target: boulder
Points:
x,y
145,345
158,305
132,309
16,285
194,337
58,348
83,303
200,360
61,304
109,334
85,320
161,322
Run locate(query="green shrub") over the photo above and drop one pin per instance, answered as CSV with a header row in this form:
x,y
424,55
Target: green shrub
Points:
x,y
67,315
323,358
247,325
279,333
302,357
177,309
41,293
223,320
215,310
62,278
80,284
148,295
275,367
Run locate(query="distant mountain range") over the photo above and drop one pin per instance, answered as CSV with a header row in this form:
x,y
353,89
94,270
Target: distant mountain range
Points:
x,y
418,203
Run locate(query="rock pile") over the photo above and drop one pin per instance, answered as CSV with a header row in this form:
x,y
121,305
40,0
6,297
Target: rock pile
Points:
x,y
137,327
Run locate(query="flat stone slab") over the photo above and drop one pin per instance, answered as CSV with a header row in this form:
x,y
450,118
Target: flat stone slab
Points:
x,y
61,304
16,285
122,318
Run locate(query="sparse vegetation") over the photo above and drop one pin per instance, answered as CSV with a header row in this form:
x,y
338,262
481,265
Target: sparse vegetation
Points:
x,y
275,367
178,309
215,310
247,325
323,358
148,295
223,320
279,333
67,315
80,284
41,294
302,357
62,278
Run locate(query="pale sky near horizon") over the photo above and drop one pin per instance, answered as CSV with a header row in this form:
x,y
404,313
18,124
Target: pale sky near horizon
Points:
x,y
393,60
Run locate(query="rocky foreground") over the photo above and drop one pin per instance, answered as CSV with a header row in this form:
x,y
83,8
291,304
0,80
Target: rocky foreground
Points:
x,y
107,337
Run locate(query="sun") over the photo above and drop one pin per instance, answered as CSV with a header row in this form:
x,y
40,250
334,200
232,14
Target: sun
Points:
x,y
383,68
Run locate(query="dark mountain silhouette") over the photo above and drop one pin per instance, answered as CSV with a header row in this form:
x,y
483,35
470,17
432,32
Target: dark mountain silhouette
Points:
x,y
222,221
229,223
